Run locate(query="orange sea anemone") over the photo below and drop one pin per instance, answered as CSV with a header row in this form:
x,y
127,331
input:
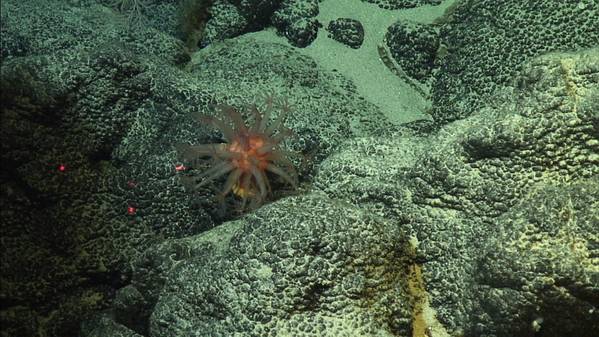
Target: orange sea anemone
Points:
x,y
248,154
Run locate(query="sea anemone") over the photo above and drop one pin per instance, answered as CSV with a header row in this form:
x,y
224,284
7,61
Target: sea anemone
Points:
x,y
250,152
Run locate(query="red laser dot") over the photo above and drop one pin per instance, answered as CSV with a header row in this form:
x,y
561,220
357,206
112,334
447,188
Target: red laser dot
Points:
x,y
131,210
62,168
180,167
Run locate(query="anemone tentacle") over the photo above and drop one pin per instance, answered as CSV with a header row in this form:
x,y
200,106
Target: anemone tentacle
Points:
x,y
249,153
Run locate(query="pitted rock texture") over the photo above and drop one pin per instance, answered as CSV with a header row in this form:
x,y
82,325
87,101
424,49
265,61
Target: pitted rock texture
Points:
x,y
456,191
90,27
399,4
544,267
258,12
225,22
296,20
229,19
293,19
414,47
499,208
68,101
91,111
306,266
488,41
347,31
248,69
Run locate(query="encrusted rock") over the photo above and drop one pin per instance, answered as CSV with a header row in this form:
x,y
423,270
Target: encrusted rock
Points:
x,y
347,31
414,47
488,41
